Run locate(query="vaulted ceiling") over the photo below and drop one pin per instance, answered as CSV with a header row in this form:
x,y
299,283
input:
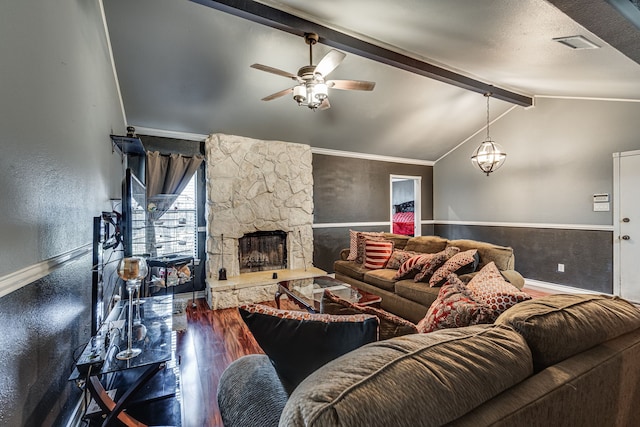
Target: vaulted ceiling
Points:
x,y
184,66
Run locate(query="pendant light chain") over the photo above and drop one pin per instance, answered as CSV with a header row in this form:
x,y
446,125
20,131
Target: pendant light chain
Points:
x,y
488,95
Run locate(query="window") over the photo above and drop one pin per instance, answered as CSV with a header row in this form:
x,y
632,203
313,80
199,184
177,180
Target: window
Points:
x,y
172,223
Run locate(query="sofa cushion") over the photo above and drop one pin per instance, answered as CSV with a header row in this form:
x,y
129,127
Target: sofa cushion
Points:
x,y
382,279
417,291
460,263
414,380
501,255
377,253
298,342
351,269
390,324
559,326
426,244
455,307
398,257
490,287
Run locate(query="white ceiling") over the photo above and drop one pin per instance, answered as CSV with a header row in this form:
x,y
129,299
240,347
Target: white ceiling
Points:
x,y
184,67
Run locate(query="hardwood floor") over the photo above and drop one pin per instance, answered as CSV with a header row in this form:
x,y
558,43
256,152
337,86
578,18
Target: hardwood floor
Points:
x,y
212,341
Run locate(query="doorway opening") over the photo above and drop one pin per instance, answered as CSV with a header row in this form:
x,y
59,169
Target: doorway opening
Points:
x,y
405,205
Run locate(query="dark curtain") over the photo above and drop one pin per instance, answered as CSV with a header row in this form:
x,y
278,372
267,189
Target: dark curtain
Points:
x,y
166,177
169,174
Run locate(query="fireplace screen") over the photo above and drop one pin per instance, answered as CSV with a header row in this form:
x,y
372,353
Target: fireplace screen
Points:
x,y
263,250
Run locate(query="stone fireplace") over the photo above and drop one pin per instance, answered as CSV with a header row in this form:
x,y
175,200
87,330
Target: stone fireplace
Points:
x,y
256,187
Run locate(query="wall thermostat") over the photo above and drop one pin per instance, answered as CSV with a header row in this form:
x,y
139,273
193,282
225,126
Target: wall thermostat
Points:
x,y
600,198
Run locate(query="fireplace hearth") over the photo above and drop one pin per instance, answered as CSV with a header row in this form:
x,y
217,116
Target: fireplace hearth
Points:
x,y
262,250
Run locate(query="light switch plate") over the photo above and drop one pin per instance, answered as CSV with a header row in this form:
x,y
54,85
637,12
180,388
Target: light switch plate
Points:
x,y
601,207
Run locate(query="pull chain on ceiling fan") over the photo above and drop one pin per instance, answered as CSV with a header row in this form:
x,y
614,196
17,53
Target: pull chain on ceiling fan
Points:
x,y
312,89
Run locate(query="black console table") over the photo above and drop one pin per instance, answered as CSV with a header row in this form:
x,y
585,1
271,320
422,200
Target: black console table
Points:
x,y
136,384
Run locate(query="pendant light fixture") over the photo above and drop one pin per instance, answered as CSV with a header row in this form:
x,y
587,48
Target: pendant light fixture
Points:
x,y
489,156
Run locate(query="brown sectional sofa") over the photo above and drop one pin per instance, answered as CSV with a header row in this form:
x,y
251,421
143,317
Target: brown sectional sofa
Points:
x,y
410,299
570,360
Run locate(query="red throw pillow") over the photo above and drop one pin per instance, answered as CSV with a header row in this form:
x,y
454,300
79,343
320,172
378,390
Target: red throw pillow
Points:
x,y
377,253
398,258
461,263
439,259
455,307
412,266
490,287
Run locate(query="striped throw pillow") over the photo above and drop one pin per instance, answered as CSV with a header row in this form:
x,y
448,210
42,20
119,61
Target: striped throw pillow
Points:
x,y
377,253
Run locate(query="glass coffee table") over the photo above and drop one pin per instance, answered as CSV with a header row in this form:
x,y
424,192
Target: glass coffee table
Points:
x,y
311,303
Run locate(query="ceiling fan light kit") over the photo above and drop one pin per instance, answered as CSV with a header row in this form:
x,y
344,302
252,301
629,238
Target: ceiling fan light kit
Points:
x,y
312,89
489,156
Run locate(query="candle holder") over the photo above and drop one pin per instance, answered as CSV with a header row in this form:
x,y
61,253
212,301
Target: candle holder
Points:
x,y
131,270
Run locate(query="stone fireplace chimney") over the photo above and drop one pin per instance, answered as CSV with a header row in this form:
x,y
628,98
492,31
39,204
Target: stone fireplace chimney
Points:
x,y
255,186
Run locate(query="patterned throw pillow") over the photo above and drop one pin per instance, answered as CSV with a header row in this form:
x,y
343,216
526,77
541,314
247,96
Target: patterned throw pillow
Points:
x,y
353,245
490,287
390,324
439,259
412,266
299,342
362,238
398,258
461,263
377,253
455,307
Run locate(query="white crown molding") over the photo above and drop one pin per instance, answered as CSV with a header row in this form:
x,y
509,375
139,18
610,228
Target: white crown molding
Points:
x,y
587,98
377,157
170,134
351,224
113,62
556,288
14,281
587,227
590,227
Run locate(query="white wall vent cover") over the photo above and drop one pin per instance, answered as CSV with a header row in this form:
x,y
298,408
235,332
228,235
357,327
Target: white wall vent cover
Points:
x,y
577,42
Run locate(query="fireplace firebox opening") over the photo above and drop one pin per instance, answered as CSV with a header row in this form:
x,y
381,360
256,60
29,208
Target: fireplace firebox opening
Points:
x,y
262,250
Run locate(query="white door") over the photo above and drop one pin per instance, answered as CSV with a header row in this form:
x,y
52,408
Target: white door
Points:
x,y
627,224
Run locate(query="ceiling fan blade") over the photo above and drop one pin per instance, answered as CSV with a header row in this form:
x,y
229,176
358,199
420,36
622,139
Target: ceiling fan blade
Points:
x,y
324,105
329,63
274,71
351,84
277,94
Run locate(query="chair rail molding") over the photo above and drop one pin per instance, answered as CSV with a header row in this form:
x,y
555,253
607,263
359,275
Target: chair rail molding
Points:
x,y
14,281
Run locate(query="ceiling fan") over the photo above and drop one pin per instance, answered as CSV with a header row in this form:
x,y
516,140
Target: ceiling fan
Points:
x,y
312,89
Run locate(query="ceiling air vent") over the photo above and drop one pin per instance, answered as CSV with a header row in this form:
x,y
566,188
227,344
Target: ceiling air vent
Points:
x,y
577,42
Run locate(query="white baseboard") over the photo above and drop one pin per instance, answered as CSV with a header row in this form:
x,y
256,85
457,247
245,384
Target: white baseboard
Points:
x,y
555,288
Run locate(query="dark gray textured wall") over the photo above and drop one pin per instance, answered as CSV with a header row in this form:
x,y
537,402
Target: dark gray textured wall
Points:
x,y
57,171
356,190
586,254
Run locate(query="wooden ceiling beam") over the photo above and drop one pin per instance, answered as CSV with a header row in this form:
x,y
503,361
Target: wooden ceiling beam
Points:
x,y
274,18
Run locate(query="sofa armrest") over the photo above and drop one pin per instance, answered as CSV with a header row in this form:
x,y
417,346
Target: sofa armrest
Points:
x,y
250,393
514,278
